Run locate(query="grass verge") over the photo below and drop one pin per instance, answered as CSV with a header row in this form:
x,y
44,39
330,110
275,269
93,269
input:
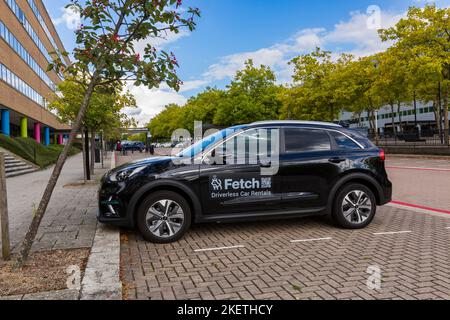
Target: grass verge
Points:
x,y
34,152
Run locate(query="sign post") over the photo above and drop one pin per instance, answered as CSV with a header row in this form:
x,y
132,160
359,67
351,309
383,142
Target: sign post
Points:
x,y
6,250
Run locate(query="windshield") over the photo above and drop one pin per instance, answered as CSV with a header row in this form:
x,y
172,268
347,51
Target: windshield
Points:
x,y
203,144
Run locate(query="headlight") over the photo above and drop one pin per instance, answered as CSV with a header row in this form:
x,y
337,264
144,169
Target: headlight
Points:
x,y
125,174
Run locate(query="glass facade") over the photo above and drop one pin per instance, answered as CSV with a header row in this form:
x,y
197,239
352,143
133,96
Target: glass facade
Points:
x,y
38,15
14,81
6,35
23,20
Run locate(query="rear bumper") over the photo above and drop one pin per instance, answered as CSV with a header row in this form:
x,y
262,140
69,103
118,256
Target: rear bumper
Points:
x,y
386,195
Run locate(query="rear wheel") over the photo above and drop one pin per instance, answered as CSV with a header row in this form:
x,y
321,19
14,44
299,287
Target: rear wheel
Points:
x,y
354,206
164,217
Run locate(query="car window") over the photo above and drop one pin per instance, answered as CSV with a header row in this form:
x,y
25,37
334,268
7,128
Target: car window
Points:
x,y
344,142
306,140
359,137
249,147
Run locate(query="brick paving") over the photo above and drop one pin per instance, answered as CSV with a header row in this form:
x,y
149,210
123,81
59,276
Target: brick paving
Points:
x,y
421,187
70,221
413,265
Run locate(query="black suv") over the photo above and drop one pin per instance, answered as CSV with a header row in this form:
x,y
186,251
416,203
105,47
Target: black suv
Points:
x,y
278,169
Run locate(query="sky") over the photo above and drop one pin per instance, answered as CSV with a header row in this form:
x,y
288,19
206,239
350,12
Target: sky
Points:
x,y
270,32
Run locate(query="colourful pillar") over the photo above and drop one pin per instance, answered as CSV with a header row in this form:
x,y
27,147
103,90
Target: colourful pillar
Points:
x,y
60,139
55,138
46,136
5,122
24,127
37,132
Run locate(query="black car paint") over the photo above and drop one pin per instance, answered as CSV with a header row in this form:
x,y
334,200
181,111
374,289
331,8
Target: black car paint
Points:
x,y
305,184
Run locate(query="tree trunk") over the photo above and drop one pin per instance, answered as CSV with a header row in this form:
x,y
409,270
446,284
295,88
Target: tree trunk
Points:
x,y
437,115
374,126
399,110
446,124
92,152
84,157
39,214
86,154
394,129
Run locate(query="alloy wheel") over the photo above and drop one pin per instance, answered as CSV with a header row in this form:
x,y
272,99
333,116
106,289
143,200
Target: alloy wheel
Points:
x,y
165,218
356,207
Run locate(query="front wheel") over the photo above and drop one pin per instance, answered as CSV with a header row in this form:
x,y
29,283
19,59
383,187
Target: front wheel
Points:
x,y
354,206
164,217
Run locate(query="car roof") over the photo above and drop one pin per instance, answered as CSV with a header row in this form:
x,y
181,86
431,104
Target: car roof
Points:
x,y
295,123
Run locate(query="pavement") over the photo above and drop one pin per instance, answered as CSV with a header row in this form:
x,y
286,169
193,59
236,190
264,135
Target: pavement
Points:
x,y
70,221
408,245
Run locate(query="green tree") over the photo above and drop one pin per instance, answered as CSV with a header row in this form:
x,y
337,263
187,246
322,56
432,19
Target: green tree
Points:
x,y
166,122
105,55
425,33
202,107
393,84
251,96
105,110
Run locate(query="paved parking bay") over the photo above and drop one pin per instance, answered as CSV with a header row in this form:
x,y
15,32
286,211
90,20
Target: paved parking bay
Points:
x,y
306,258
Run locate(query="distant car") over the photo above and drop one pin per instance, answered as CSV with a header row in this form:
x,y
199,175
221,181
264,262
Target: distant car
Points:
x,y
322,169
133,146
180,146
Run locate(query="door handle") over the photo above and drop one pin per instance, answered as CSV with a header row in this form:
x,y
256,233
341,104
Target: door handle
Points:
x,y
337,160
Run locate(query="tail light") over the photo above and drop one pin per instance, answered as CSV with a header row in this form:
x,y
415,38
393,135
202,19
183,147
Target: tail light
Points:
x,y
382,155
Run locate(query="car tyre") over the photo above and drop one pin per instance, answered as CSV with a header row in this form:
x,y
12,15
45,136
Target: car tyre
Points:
x,y
354,206
164,217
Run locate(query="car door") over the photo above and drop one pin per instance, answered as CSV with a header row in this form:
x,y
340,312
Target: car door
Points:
x,y
309,163
234,178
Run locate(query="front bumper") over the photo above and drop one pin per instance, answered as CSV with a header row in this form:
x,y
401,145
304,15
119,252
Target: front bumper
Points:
x,y
112,204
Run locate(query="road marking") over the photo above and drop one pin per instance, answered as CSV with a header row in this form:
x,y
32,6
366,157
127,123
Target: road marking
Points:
x,y
218,249
416,206
419,168
389,233
311,240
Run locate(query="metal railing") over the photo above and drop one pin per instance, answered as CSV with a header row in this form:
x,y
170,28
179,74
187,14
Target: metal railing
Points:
x,y
427,138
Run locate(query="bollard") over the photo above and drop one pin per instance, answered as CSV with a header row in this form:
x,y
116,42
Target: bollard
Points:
x,y
6,250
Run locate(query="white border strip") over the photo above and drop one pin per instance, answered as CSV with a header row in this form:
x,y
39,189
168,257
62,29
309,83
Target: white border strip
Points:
x,y
311,240
389,233
219,248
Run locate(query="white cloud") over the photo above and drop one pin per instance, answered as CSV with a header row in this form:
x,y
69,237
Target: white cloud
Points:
x,y
70,17
151,102
357,36
192,85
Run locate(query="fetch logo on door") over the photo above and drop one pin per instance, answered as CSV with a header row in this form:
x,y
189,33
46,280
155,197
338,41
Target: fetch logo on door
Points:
x,y
243,187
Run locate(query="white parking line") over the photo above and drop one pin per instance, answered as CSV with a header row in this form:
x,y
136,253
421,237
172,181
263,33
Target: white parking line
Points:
x,y
218,249
311,240
388,233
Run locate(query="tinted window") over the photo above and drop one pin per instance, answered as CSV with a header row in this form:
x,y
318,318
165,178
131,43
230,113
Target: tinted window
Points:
x,y
359,137
251,145
306,140
343,142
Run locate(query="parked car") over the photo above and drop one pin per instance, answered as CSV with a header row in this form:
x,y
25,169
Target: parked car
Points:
x,y
323,169
133,146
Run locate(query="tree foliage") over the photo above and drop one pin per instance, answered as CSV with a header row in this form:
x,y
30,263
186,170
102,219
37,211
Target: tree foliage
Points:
x,y
251,96
105,110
